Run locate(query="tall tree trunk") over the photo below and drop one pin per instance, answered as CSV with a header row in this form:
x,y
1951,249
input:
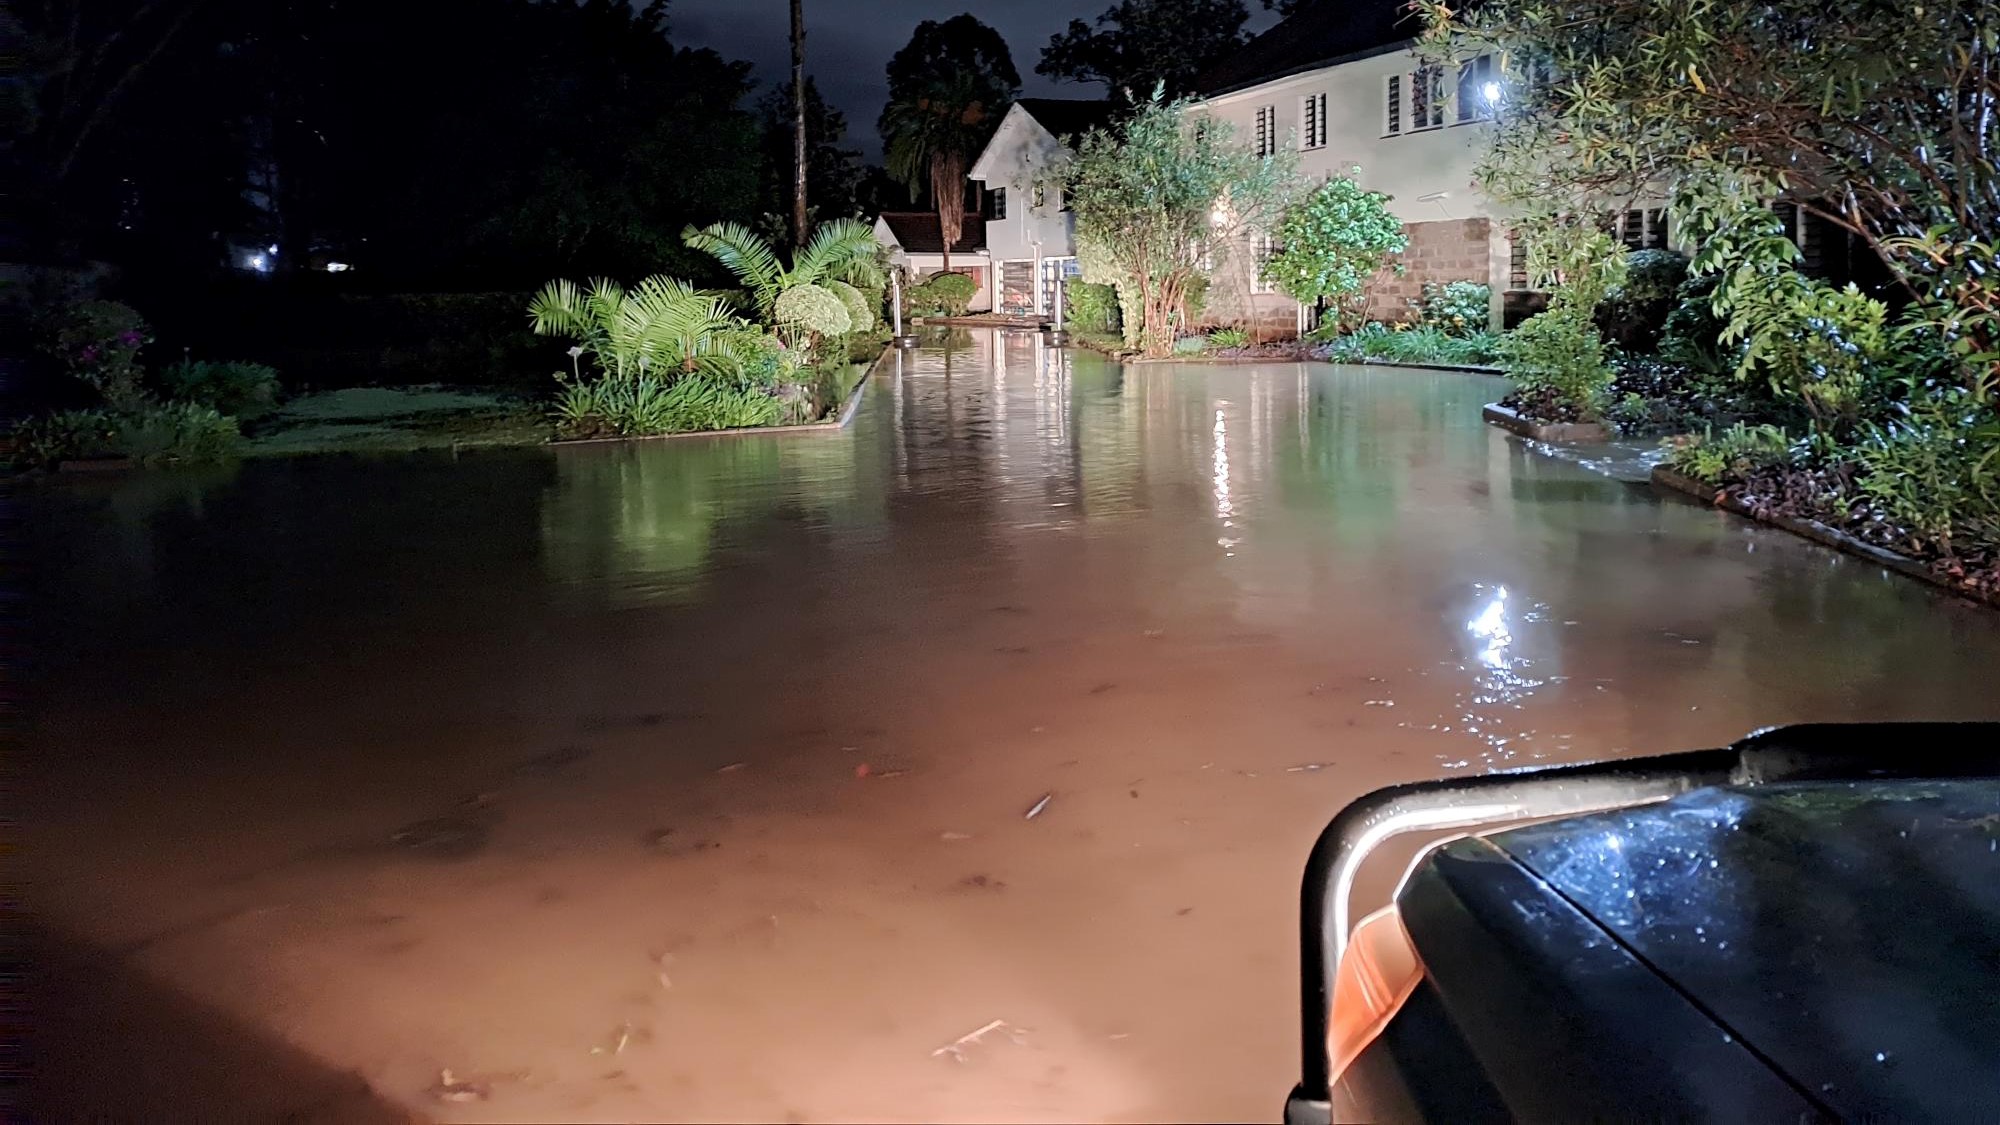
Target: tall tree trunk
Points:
x,y
798,123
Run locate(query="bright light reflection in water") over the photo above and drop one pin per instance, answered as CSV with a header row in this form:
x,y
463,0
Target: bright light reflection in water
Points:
x,y
1490,626
1499,685
1225,509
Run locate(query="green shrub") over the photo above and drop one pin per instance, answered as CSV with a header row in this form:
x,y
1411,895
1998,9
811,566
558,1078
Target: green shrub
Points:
x,y
807,314
1557,362
1816,345
1716,458
1934,472
650,405
176,431
860,317
1691,335
1651,275
1092,307
1225,339
943,294
243,390
1635,310
1190,345
1375,340
98,342
1456,308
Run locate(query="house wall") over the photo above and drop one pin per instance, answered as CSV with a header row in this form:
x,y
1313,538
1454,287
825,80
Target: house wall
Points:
x,y
1021,151
1428,173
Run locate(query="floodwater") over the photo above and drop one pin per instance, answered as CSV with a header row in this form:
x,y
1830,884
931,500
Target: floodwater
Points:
x,y
687,779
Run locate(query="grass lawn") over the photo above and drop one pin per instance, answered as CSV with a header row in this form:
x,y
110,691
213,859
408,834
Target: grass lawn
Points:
x,y
396,420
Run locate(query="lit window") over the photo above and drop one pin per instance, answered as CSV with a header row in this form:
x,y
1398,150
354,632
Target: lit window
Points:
x,y
1476,89
1267,130
1312,121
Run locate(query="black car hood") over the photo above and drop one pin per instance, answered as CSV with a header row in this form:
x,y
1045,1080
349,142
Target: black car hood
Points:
x,y
1846,933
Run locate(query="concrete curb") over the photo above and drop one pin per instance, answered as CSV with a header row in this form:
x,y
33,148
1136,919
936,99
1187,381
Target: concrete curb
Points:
x,y
1575,433
1463,368
831,425
1666,479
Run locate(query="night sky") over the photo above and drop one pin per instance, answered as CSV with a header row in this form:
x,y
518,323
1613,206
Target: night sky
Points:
x,y
848,42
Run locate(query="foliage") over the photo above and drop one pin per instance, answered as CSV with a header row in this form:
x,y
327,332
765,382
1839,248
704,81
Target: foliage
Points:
x,y
1692,334
1153,197
1816,345
1716,458
1859,111
1093,307
943,294
1635,311
839,250
1651,275
833,171
147,433
663,327
1191,345
1225,339
239,389
649,404
1557,362
1331,242
806,314
860,317
1422,344
938,51
1142,45
1934,469
931,135
98,342
1456,308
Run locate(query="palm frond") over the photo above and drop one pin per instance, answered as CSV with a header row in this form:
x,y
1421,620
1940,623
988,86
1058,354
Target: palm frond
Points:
x,y
744,254
840,250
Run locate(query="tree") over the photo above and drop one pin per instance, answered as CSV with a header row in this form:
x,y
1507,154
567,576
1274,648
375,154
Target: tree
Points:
x,y
1877,118
840,250
938,51
1331,242
1138,45
798,124
833,172
1154,197
932,136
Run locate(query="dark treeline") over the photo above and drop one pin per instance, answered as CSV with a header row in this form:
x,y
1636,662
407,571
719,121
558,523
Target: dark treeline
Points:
x,y
445,144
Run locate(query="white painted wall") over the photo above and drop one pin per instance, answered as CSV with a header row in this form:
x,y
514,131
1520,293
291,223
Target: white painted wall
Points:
x,y
1020,152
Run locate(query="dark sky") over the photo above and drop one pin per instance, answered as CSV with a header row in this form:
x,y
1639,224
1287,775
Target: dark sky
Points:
x,y
848,42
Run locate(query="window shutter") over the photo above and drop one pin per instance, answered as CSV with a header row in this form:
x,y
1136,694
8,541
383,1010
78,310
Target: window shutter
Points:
x,y
1395,104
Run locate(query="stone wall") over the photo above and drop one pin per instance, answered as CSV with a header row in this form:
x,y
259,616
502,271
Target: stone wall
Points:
x,y
1445,250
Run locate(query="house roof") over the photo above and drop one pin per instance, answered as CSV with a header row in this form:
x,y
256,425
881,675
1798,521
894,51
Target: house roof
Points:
x,y
1067,117
917,232
1322,33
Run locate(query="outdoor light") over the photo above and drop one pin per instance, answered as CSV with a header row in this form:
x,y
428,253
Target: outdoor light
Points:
x,y
1492,92
338,267
259,263
272,249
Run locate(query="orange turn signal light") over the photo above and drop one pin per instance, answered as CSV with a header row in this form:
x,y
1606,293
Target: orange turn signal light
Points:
x,y
1377,973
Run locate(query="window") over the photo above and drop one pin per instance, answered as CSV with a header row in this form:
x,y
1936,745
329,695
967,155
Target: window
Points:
x,y
1476,89
1267,130
1517,260
1038,198
1427,97
1395,101
1644,230
999,203
1262,246
1312,121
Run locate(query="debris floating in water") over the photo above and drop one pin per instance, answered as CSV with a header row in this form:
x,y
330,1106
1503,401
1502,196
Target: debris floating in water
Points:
x,y
956,1048
954,836
1379,703
450,1089
1035,809
732,767
1308,767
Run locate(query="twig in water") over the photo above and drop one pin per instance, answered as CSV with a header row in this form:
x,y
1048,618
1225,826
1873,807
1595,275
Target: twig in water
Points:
x,y
956,1048
1035,809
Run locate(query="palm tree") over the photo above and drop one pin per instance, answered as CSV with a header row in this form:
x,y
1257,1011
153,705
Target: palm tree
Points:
x,y
932,135
840,250
664,327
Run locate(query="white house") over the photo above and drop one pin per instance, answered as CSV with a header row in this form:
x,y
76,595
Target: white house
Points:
x,y
1030,234
1341,84
915,245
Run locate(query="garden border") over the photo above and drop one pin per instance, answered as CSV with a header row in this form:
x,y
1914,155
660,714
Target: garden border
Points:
x,y
832,425
1668,480
1565,433
1467,368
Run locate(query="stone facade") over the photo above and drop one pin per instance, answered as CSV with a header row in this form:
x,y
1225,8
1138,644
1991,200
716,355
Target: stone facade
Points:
x,y
1445,250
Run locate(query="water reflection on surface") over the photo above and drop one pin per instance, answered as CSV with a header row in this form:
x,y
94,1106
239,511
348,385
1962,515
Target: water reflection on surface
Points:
x,y
1202,606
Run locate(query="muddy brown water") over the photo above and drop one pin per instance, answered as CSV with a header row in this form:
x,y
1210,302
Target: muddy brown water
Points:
x,y
547,766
